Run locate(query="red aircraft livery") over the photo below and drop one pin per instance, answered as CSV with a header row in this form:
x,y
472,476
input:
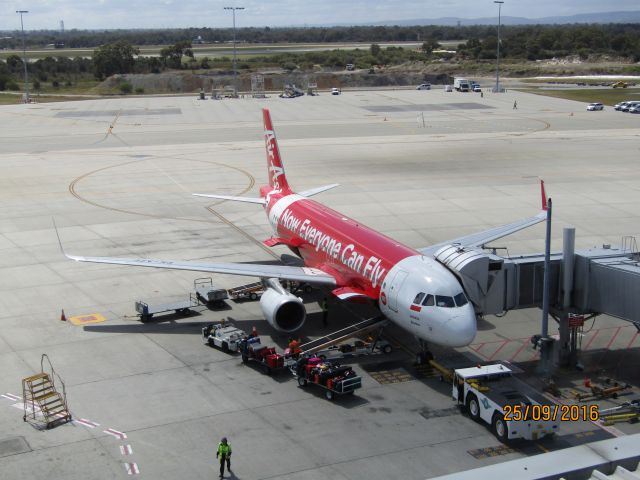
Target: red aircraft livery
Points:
x,y
409,286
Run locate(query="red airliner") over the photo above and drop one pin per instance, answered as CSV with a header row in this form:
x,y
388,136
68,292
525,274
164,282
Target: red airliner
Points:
x,y
408,285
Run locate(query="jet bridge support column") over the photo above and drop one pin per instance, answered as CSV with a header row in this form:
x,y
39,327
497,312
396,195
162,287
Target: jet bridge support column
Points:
x,y
546,342
566,346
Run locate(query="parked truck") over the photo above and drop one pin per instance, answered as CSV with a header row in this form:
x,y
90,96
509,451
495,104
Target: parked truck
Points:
x,y
461,84
513,409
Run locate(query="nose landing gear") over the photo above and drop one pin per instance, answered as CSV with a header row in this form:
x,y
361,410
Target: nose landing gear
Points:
x,y
424,355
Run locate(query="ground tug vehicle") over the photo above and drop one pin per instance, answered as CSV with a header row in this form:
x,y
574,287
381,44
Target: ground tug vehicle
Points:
x,y
513,409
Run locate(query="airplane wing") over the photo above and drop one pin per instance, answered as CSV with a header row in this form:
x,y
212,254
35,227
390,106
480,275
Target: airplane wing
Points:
x,y
482,238
300,274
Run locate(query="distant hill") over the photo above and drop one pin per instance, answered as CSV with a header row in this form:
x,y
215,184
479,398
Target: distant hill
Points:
x,y
606,17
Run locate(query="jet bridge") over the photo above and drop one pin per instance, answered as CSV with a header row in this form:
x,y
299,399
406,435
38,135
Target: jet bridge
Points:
x,y
601,281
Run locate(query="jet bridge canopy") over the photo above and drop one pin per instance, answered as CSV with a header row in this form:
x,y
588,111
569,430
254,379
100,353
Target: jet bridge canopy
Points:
x,y
605,280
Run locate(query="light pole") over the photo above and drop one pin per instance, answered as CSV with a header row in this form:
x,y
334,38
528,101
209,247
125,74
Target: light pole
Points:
x,y
235,73
24,58
497,90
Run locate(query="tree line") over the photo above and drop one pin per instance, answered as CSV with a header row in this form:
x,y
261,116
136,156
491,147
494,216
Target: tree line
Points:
x,y
522,41
518,43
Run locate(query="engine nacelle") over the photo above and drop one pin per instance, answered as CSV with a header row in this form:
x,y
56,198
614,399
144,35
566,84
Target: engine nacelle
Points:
x,y
284,312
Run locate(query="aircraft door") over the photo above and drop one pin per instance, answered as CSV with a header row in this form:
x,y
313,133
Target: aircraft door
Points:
x,y
394,287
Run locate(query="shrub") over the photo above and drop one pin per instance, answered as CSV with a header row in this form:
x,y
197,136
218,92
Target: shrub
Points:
x,y
139,89
125,88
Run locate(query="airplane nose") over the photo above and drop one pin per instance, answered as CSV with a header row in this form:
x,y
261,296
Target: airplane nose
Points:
x,y
461,328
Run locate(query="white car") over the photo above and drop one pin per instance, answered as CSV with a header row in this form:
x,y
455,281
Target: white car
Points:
x,y
335,91
448,88
424,86
635,108
595,106
477,88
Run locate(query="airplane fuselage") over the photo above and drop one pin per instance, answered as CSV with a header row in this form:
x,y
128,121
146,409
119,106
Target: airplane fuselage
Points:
x,y
368,264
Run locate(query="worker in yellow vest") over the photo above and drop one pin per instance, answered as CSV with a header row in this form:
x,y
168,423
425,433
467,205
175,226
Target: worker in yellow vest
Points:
x,y
224,454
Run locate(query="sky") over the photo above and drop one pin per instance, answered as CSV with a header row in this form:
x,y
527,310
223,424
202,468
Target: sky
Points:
x,y
109,14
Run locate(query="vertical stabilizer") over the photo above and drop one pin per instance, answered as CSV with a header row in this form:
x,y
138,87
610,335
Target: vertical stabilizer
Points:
x,y
277,177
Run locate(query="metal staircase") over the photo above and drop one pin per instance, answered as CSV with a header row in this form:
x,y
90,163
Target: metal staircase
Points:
x,y
42,402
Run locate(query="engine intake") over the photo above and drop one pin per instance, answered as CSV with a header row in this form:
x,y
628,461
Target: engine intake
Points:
x,y
284,311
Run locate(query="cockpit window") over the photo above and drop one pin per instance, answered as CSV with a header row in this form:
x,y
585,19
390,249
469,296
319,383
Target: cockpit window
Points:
x,y
428,301
461,299
446,302
418,298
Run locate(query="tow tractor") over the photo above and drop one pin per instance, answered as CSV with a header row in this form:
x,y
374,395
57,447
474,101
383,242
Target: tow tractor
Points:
x,y
512,408
269,360
334,378
224,336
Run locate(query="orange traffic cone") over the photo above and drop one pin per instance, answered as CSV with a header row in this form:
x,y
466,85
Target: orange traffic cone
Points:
x,y
63,317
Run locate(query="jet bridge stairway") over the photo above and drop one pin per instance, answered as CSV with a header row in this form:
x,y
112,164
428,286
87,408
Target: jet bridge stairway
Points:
x,y
40,396
343,334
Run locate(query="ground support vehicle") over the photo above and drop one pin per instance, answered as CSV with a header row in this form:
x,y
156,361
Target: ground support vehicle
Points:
x,y
424,86
333,378
208,294
512,408
251,291
354,349
223,335
595,107
147,311
461,84
252,350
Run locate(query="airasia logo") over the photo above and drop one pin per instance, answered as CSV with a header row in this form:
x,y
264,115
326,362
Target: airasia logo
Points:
x,y
383,298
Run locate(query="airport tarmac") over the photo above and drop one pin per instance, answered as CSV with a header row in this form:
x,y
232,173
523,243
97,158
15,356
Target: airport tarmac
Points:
x,y
421,166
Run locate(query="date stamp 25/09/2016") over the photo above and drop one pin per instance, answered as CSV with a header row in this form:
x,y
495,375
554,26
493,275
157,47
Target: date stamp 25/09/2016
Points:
x,y
554,413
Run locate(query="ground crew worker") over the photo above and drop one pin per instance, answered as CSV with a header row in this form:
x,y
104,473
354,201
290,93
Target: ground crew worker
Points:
x,y
515,104
224,454
325,311
294,347
254,332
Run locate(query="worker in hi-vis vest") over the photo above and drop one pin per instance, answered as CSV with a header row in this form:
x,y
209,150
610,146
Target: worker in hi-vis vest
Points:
x,y
224,454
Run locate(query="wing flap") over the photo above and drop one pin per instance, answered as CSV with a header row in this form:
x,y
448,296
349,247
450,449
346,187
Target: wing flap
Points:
x,y
260,201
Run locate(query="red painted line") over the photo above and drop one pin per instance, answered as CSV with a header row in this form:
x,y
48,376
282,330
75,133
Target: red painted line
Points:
x,y
612,338
633,339
480,345
524,344
115,433
87,423
126,449
586,347
499,348
132,468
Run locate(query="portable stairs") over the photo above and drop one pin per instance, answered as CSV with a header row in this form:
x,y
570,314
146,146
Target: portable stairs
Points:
x,y
42,402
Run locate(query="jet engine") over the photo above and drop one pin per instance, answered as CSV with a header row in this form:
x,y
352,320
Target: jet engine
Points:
x,y
284,311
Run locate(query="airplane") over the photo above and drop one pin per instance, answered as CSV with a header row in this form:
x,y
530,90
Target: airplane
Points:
x,y
409,286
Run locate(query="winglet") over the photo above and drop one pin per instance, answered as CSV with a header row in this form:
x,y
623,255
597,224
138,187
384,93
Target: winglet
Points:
x,y
544,196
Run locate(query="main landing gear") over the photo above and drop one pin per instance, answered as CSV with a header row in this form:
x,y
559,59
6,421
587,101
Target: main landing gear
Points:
x,y
424,355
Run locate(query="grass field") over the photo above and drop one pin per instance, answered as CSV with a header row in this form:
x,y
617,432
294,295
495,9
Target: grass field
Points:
x,y
608,96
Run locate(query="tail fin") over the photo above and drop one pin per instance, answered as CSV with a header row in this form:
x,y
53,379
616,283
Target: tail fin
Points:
x,y
543,194
277,177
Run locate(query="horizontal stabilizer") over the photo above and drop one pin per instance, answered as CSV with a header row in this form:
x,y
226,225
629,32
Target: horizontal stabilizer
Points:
x,y
260,201
317,190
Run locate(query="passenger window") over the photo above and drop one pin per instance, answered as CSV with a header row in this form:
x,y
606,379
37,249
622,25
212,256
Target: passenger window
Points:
x,y
418,298
446,302
428,301
460,299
